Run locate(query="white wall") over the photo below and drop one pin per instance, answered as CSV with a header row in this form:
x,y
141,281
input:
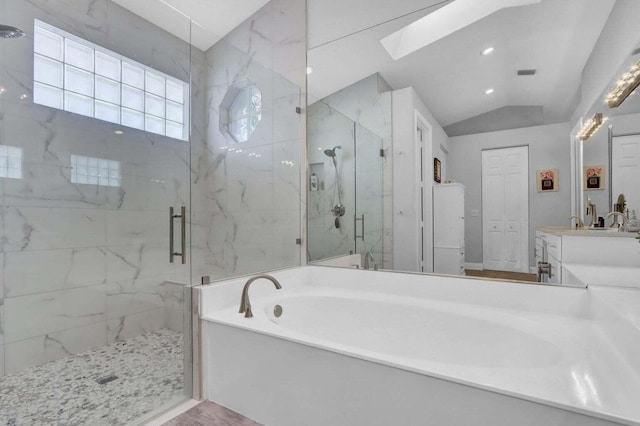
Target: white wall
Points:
x,y
548,149
405,206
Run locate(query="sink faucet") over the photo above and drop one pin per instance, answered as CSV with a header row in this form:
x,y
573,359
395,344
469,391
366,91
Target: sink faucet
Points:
x,y
578,219
621,227
591,210
245,305
368,256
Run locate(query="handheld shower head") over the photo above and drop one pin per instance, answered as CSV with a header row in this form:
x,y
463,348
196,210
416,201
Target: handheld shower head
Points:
x,y
332,152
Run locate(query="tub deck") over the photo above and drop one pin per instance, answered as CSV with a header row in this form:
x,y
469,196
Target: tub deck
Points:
x,y
577,356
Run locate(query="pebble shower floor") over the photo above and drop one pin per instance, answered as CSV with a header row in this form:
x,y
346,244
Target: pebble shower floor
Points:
x,y
149,370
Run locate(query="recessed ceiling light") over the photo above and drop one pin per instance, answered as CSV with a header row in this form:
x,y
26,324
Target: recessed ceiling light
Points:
x,y
489,91
119,132
309,70
488,51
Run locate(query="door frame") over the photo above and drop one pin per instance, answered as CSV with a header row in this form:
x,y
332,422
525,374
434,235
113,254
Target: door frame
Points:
x,y
423,193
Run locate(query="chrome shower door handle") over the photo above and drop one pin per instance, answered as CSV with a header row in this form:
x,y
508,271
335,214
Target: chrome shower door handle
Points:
x,y
183,227
362,228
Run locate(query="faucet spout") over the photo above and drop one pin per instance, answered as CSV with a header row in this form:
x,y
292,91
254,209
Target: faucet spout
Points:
x,y
580,223
368,257
621,227
245,304
591,210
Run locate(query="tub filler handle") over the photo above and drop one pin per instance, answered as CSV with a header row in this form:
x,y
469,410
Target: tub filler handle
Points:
x,y
245,304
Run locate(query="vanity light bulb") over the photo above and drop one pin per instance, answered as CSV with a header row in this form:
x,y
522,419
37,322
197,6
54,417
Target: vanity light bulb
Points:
x,y
624,87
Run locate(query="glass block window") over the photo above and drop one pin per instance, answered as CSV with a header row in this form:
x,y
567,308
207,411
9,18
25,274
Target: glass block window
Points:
x,y
95,171
245,113
75,75
10,162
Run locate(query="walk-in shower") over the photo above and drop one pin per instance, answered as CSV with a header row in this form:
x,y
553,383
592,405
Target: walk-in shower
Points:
x,y
338,209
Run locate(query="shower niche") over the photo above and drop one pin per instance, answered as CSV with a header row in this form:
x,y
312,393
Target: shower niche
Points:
x,y
317,170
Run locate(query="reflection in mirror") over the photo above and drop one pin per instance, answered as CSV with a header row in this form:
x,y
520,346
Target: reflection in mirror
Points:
x,y
497,98
611,157
346,172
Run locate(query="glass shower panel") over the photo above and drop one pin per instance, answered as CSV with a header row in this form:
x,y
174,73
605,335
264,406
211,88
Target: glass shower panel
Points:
x,y
328,235
246,187
369,191
94,320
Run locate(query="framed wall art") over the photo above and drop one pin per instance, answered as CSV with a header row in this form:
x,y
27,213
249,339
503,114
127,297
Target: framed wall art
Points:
x,y
548,180
594,177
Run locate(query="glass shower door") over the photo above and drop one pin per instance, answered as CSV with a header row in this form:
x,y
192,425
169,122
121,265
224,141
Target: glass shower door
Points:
x,y
95,128
369,187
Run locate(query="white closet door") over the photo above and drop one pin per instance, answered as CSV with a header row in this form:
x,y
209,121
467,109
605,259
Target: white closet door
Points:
x,y
505,209
626,170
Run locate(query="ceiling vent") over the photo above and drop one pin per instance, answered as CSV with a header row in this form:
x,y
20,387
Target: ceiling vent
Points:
x,y
526,72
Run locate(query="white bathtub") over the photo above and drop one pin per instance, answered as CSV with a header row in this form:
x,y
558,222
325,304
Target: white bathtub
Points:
x,y
377,348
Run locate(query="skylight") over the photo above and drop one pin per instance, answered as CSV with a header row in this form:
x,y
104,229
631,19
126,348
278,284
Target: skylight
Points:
x,y
443,22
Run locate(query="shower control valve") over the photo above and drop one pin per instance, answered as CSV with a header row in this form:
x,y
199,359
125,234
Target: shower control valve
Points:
x,y
338,210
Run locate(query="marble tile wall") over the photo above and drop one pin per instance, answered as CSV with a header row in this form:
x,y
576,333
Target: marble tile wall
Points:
x,y
367,104
246,196
328,128
82,266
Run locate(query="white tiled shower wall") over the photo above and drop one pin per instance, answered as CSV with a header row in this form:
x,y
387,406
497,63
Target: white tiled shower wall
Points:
x,y
247,196
85,265
366,107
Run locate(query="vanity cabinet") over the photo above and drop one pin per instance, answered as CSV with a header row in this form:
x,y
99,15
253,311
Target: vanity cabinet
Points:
x,y
448,229
586,256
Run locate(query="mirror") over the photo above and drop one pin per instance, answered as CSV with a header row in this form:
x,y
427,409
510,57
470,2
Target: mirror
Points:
x,y
602,154
487,103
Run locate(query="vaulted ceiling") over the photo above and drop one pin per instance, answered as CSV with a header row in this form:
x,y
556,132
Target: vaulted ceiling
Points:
x,y
554,37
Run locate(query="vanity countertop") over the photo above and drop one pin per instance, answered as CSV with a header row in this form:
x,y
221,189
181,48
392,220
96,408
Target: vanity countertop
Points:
x,y
586,232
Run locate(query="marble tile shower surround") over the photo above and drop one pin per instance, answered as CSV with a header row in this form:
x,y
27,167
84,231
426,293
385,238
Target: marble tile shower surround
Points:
x,y
361,191
367,103
246,196
84,265
328,128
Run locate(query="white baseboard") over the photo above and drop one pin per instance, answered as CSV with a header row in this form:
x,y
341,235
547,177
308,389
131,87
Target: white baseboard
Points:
x,y
474,266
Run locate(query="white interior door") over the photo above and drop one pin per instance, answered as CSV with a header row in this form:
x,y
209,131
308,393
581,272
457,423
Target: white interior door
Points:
x,y
505,209
626,170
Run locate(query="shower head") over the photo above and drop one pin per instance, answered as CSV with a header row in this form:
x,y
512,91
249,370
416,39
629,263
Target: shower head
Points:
x,y
7,31
332,152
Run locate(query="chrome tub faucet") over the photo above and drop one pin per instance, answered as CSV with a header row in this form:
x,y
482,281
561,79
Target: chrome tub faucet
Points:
x,y
245,304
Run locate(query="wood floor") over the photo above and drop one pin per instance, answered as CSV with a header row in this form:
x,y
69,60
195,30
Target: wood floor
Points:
x,y
209,413
503,275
